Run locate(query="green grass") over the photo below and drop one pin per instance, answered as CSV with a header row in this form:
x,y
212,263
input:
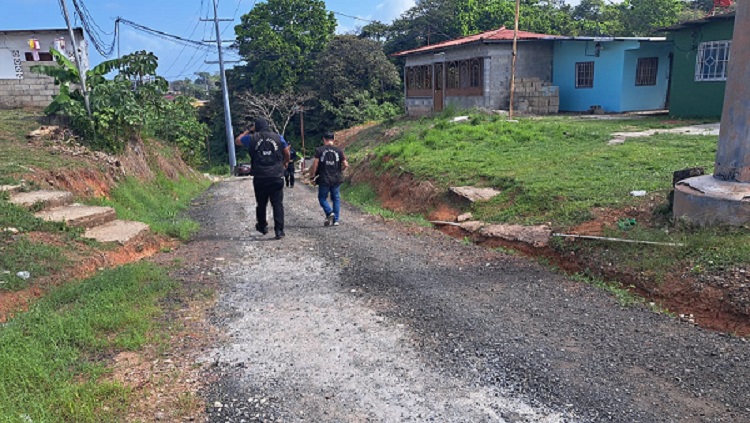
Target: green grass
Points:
x,y
550,170
19,253
160,204
364,197
621,294
17,156
557,170
50,356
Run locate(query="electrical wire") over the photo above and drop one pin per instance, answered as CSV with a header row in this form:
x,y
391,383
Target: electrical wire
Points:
x,y
94,30
195,27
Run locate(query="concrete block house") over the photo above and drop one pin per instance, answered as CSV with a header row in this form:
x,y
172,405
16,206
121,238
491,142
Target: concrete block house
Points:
x,y
612,75
20,50
475,72
699,70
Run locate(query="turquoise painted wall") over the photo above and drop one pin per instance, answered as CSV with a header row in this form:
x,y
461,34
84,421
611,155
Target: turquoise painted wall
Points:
x,y
614,75
650,97
688,98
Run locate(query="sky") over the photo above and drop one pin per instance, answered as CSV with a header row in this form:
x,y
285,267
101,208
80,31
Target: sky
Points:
x,y
181,18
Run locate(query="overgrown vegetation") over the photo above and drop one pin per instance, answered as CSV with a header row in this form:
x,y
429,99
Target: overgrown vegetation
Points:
x,y
51,358
131,105
160,204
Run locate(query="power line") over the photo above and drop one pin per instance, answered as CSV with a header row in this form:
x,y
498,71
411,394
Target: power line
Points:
x,y
195,27
93,29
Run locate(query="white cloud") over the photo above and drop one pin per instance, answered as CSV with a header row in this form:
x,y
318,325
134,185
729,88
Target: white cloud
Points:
x,y
389,10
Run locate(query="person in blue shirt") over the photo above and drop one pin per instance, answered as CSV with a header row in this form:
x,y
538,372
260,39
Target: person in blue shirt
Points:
x,y
269,157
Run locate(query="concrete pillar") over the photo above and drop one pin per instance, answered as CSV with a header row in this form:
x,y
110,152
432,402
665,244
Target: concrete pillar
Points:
x,y
733,155
724,197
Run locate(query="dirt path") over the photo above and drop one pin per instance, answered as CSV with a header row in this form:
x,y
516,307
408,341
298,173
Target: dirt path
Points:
x,y
374,322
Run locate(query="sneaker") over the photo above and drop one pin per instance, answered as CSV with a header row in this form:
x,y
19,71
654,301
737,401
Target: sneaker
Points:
x,y
336,223
261,229
329,220
280,234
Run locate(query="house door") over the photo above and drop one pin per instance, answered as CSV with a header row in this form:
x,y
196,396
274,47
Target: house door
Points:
x,y
437,94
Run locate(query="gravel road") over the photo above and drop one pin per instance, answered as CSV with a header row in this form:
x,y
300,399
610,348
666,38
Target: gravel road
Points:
x,y
374,321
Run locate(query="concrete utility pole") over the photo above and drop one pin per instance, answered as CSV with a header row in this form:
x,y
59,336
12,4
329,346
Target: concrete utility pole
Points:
x,y
513,63
225,91
79,64
724,197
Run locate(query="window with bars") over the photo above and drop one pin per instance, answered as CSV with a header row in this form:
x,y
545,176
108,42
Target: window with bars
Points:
x,y
465,77
712,61
646,71
419,80
585,75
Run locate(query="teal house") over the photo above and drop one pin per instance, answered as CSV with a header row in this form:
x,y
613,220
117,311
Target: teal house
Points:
x,y
699,71
612,75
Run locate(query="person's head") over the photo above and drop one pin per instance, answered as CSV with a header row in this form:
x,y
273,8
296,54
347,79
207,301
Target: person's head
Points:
x,y
261,125
251,127
328,137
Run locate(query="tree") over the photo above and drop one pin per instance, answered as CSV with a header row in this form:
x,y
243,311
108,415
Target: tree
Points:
x,y
643,17
276,109
279,40
356,82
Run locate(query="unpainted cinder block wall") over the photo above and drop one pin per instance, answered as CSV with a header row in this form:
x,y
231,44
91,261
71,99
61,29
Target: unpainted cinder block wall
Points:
x,y
33,90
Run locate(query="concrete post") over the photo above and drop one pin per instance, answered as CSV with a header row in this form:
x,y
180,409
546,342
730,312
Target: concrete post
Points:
x,y
733,155
724,197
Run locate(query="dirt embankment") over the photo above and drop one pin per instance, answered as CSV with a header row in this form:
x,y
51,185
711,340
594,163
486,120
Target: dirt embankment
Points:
x,y
699,299
95,176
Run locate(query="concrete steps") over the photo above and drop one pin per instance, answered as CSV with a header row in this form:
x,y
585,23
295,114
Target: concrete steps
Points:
x,y
41,199
119,231
101,223
78,215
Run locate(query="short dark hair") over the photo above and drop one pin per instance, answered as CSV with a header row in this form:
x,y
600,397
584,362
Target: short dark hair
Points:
x,y
328,135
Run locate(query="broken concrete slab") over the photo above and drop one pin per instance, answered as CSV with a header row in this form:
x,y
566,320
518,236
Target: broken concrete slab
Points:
x,y
79,215
119,231
47,199
472,226
538,236
474,194
464,217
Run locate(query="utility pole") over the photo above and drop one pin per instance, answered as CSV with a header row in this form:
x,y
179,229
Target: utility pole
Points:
x,y
302,134
79,64
225,90
513,59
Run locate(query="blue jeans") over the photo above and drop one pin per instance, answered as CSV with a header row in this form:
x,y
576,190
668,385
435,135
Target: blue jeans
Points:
x,y
323,191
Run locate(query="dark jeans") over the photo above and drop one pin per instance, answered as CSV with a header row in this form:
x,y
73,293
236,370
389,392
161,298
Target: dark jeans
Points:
x,y
270,189
289,175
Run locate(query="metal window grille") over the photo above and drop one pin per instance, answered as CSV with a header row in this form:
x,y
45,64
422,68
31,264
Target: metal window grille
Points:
x,y
476,73
712,61
585,75
645,73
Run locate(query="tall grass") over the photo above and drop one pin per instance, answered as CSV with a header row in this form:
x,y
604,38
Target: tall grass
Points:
x,y
50,357
160,204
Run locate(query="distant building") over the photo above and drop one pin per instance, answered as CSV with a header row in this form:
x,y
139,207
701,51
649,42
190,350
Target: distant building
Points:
x,y
613,75
20,50
475,71
699,71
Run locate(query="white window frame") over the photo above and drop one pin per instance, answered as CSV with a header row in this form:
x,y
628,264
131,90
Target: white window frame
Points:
x,y
711,50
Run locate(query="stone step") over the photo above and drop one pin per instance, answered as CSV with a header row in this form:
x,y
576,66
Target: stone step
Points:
x,y
120,231
47,199
79,215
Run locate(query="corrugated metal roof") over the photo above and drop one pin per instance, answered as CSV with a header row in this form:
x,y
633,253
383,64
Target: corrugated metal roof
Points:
x,y
496,35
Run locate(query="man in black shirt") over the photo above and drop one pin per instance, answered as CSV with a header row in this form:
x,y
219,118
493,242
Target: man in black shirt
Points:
x,y
269,156
329,165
